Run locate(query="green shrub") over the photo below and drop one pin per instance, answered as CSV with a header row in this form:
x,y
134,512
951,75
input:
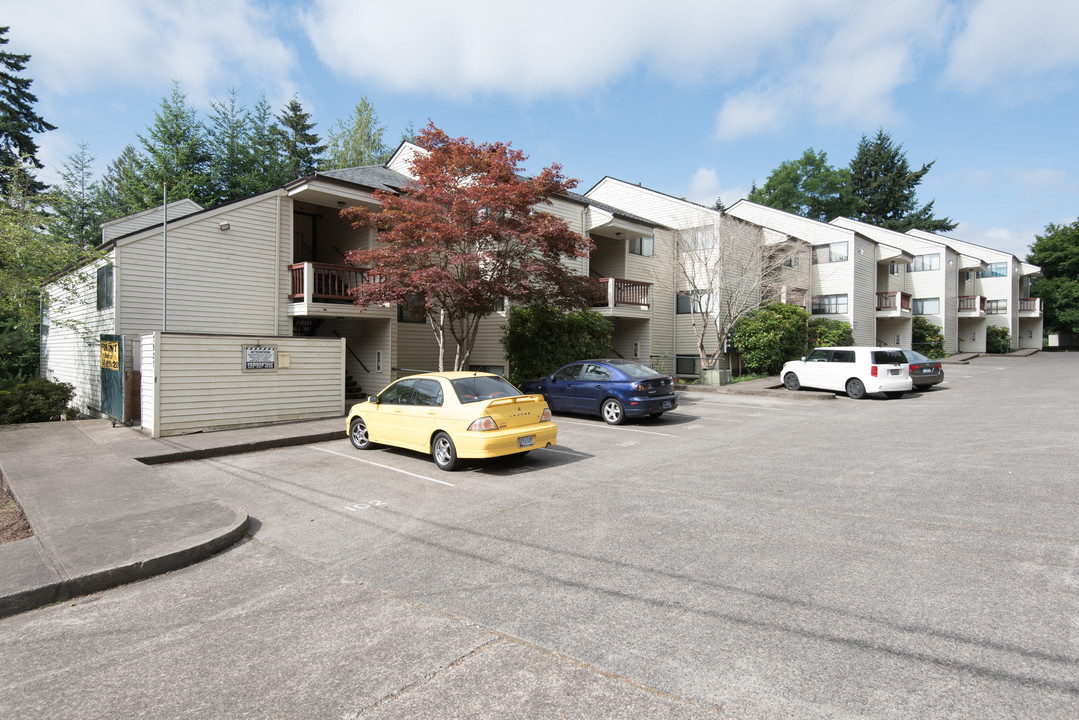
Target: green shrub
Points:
x,y
927,337
997,339
829,332
538,340
770,336
36,400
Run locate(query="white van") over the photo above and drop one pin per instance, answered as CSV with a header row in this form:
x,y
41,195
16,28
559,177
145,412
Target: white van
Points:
x,y
853,370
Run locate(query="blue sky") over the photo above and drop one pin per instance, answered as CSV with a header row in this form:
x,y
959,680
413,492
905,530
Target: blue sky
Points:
x,y
697,99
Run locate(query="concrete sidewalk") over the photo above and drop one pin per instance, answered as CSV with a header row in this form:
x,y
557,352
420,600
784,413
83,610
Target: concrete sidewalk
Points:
x,y
103,515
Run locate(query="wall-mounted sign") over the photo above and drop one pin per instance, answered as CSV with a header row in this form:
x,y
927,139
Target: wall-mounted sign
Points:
x,y
260,357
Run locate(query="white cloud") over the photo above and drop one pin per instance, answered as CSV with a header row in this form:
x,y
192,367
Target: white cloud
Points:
x,y
205,44
705,187
1006,45
1016,242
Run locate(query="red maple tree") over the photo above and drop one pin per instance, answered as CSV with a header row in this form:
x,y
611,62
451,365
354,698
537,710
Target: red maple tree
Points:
x,y
469,232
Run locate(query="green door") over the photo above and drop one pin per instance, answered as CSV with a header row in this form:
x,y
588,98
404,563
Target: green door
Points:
x,y
112,376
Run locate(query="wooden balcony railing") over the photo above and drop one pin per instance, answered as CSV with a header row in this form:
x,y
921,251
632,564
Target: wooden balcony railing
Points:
x,y
611,292
972,303
893,300
322,282
1030,305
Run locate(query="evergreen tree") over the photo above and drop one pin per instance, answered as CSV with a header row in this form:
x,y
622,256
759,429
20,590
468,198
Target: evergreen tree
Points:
x,y
884,187
75,203
268,169
119,192
357,142
300,145
18,120
175,151
231,151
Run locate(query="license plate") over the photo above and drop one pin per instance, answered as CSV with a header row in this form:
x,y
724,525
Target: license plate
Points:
x,y
667,404
895,371
525,441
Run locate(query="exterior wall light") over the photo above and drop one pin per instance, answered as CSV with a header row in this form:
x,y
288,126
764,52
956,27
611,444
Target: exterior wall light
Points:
x,y
224,225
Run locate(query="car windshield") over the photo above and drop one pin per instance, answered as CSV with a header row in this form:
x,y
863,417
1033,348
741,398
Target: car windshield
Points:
x,y
889,357
482,387
637,371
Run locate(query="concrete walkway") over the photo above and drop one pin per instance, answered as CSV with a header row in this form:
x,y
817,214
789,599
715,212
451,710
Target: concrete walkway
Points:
x,y
103,515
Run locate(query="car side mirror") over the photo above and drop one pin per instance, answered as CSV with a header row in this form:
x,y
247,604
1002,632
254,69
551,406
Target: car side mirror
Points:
x,y
372,399
803,358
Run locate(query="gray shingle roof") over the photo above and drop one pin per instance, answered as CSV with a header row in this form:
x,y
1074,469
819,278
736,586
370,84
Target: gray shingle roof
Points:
x,y
377,177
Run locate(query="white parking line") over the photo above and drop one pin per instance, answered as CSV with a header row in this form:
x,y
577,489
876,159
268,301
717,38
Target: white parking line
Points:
x,y
613,427
385,467
705,417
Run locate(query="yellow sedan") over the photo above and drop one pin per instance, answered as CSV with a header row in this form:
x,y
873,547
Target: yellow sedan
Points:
x,y
453,415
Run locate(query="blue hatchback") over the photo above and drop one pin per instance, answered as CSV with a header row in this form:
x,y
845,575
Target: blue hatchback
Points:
x,y
612,389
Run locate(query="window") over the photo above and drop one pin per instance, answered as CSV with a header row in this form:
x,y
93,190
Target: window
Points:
x,y
597,373
889,357
412,310
104,287
499,305
834,252
570,372
925,262
398,393
996,307
994,270
685,365
690,301
819,355
493,369
427,393
893,268
843,356
925,306
641,246
830,304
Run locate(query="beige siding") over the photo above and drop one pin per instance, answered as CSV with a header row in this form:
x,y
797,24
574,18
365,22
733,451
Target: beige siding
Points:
x,y
864,299
218,280
200,384
148,345
146,218
71,349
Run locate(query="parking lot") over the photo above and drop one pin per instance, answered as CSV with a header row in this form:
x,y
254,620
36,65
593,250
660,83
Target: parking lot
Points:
x,y
752,557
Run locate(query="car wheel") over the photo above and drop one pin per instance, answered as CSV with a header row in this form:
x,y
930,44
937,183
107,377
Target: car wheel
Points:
x,y
790,380
357,433
894,395
855,389
443,452
612,412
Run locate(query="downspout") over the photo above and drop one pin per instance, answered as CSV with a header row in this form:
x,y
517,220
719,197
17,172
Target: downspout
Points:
x,y
277,272
165,258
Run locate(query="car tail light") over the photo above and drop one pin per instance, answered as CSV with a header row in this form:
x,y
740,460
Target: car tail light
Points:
x,y
484,423
639,387
937,366
915,367
546,416
873,370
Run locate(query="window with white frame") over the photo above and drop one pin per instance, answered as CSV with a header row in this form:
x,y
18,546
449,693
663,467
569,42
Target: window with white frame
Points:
x,y
925,306
642,246
996,307
690,301
104,287
924,262
833,252
994,270
830,304
893,268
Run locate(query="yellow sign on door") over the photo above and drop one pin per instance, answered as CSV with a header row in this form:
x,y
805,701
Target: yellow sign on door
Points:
x,y
110,356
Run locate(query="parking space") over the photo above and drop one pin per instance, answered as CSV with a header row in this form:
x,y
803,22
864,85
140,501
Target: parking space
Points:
x,y
754,556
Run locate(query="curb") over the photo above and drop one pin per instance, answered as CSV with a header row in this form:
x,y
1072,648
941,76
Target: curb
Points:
x,y
239,449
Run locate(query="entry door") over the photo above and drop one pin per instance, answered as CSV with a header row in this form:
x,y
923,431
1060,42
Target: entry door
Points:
x,y
112,376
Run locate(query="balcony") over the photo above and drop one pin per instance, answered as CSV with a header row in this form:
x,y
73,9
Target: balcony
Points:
x,y
971,306
893,304
619,297
1030,307
324,289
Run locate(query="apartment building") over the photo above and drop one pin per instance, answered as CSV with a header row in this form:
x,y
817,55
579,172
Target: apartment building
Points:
x,y
993,289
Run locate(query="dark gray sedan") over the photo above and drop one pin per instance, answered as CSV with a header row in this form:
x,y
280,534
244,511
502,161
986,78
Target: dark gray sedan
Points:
x,y
924,372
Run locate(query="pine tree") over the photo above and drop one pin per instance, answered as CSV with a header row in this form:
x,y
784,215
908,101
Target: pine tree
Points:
x,y
358,141
18,121
75,201
269,168
119,192
300,145
175,151
885,188
230,149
